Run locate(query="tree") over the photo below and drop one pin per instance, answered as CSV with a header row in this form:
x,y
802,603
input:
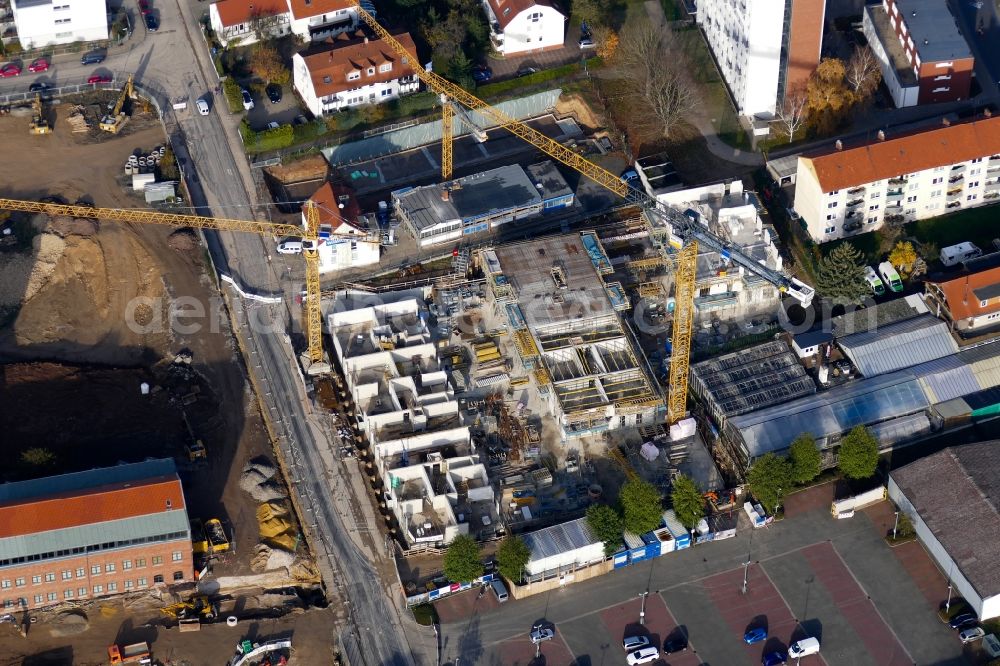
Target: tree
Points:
x,y
168,166
641,506
462,560
591,12
688,502
859,454
651,64
770,477
37,456
606,40
862,72
263,22
903,257
830,97
841,275
266,64
607,526
793,112
512,556
805,458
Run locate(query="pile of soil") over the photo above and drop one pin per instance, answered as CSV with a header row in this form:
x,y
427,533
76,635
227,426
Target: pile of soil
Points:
x,y
73,226
183,240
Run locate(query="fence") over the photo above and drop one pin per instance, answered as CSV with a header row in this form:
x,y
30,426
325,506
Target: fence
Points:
x,y
28,96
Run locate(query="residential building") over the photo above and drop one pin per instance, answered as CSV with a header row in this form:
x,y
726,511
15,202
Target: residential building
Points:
x,y
969,303
841,191
92,534
952,497
518,27
42,23
247,21
343,241
922,54
481,202
763,47
351,70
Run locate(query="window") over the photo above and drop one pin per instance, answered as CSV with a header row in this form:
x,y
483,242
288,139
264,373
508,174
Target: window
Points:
x,y
909,211
67,594
157,559
51,596
36,580
178,575
80,573
98,589
386,92
128,584
977,160
158,578
38,598
176,556
19,581
875,207
353,76
912,187
62,21
974,172
938,169
828,230
140,562
67,575
112,587
50,578
873,219
982,304
95,570
911,199
936,193
971,197
126,565
142,582
876,195
5,584
937,180
371,71
974,183
832,204
385,67
830,216
109,567
834,193
534,17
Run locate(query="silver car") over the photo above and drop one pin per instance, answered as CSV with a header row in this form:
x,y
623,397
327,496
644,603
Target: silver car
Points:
x,y
634,642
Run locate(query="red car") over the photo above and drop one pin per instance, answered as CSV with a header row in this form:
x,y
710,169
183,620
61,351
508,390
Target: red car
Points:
x,y
144,6
99,78
10,69
39,65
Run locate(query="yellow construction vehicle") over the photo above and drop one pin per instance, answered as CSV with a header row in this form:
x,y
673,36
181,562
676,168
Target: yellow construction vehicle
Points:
x,y
39,125
198,607
216,533
199,541
116,118
196,451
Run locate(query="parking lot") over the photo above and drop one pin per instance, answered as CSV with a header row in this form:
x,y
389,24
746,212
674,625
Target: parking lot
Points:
x,y
810,575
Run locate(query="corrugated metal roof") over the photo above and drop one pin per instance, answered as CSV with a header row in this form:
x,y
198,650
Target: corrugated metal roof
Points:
x,y
91,478
946,378
561,538
899,345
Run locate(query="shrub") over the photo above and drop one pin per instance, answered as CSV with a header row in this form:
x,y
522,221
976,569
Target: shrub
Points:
x,y
234,97
268,140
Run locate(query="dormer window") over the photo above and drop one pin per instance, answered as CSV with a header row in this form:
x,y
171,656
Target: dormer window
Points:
x,y
534,17
386,67
506,11
353,76
371,71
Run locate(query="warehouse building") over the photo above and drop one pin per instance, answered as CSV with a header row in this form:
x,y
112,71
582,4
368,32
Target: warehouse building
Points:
x,y
92,534
898,345
953,499
481,202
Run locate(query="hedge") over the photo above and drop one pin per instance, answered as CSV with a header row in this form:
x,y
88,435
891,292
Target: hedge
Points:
x,y
234,96
492,89
272,139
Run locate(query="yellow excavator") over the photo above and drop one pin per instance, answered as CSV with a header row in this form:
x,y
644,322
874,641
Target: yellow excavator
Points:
x,y
39,125
198,607
116,118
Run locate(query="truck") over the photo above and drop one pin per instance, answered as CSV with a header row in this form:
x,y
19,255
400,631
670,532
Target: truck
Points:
x,y
216,534
134,653
957,254
890,276
874,283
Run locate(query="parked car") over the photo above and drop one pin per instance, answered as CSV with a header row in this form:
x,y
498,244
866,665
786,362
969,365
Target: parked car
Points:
x,y
39,65
151,23
642,656
630,643
587,43
92,59
804,647
963,620
274,93
630,176
290,246
202,105
481,73
540,634
755,635
144,6
525,71
300,120
39,86
273,125
99,78
971,635
675,644
775,658
247,99
10,69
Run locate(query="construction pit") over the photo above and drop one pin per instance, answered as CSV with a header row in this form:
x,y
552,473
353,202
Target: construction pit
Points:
x,y
93,373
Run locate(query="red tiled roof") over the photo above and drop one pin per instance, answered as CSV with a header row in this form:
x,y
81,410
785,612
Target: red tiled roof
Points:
x,y
962,299
114,501
841,169
329,68
234,12
507,10
327,199
306,8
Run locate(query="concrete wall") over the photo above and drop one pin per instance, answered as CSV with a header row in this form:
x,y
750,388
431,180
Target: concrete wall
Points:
x,y
597,569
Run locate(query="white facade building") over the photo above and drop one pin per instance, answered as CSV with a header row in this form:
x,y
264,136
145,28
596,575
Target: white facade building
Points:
x,y
762,47
243,21
841,192
524,26
352,71
45,22
344,242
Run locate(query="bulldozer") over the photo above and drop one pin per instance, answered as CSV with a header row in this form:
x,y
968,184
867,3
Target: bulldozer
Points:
x,y
116,118
39,125
198,607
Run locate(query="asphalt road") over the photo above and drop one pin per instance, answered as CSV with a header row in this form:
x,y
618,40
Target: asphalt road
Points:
x,y
174,63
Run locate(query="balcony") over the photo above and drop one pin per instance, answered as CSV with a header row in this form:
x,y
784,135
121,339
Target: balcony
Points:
x,y
857,191
900,180
958,168
855,203
992,187
898,203
894,194
956,179
955,191
954,204
852,227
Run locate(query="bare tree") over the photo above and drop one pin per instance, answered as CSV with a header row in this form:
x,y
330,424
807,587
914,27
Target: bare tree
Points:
x,y
793,111
652,67
264,23
863,73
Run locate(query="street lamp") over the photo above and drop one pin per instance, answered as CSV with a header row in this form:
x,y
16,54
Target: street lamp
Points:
x,y
642,609
894,526
746,565
947,604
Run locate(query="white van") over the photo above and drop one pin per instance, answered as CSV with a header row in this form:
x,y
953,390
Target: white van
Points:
x,y
499,589
804,647
890,276
290,246
874,283
956,254
202,106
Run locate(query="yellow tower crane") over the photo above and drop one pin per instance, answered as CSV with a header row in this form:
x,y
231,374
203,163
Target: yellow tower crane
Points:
x,y
310,244
116,118
448,112
678,225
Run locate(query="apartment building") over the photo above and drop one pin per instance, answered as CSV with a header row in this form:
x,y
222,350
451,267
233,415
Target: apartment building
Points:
x,y
247,21
41,23
518,27
922,54
351,70
842,191
763,47
92,534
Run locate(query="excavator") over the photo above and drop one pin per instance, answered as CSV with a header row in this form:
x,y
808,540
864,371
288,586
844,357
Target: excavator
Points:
x,y
198,607
39,125
116,118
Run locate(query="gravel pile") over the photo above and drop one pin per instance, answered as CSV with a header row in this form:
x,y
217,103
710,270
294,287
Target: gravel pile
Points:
x,y
257,479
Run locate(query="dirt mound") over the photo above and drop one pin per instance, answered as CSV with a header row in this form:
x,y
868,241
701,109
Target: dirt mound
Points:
x,y
69,623
22,275
73,226
183,240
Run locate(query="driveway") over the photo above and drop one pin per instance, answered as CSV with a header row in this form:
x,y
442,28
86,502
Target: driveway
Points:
x,y
264,112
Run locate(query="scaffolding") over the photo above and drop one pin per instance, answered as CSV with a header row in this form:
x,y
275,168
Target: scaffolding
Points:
x,y
651,290
525,345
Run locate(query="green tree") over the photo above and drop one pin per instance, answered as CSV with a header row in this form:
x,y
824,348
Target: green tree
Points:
x,y
689,504
805,458
859,454
841,275
607,526
640,506
462,561
903,257
512,556
37,456
770,477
